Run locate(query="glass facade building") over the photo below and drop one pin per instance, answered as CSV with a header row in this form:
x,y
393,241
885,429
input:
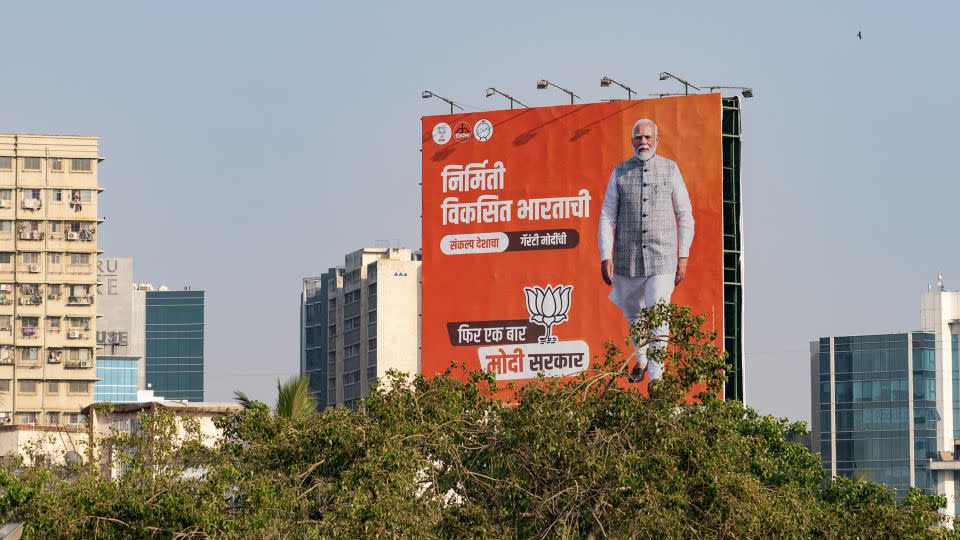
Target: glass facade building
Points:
x,y
875,407
314,322
174,344
118,379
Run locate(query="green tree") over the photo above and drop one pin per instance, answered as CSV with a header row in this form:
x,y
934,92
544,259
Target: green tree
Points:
x,y
439,457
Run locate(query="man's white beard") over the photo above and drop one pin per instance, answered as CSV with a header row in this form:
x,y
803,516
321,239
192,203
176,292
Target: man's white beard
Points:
x,y
644,155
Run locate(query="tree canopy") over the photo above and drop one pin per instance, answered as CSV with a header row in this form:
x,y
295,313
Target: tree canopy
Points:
x,y
439,457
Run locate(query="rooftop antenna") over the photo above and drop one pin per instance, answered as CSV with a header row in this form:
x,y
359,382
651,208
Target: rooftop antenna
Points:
x,y
940,281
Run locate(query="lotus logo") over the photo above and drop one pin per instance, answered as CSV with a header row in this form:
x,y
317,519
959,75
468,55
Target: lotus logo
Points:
x,y
548,307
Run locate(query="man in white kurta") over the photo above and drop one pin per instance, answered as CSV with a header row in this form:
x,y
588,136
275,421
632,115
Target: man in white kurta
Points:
x,y
645,233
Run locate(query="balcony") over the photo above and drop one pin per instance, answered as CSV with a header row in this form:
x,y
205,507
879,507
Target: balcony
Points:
x,y
30,299
6,299
30,235
78,364
80,300
82,235
54,357
31,204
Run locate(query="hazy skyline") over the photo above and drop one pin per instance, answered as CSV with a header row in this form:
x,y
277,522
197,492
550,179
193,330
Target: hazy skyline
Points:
x,y
249,145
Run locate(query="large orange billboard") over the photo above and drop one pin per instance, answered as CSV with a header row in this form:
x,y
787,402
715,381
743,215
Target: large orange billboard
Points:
x,y
529,213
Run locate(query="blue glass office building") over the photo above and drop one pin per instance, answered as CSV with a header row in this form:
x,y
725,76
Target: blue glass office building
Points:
x,y
174,344
875,407
118,379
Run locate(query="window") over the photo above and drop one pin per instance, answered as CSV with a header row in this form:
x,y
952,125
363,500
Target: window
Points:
x,y
351,351
78,354
351,324
372,344
79,323
53,418
53,387
6,194
78,387
53,258
27,417
6,226
372,316
77,259
57,195
56,164
53,323
79,290
29,353
351,297
6,258
5,322
56,226
80,165
74,418
53,292
30,258
31,194
28,387
81,195
30,322
6,163
31,164
29,289
5,385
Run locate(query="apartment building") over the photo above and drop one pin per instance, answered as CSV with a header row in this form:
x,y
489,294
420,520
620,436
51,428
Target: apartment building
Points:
x,y
48,252
360,321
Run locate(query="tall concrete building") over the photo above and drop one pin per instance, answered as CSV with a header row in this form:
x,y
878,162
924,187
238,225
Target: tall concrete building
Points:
x,y
888,406
359,321
48,251
120,332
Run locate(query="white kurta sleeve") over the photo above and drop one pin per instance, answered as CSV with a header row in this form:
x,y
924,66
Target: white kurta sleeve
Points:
x,y
684,212
608,217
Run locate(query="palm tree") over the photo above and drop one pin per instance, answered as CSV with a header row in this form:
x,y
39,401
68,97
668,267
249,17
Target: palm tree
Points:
x,y
294,399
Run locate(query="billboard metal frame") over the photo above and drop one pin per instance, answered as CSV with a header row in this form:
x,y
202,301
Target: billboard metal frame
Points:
x,y
732,250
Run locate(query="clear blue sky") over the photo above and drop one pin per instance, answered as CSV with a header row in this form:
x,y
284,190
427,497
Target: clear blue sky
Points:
x,y
251,144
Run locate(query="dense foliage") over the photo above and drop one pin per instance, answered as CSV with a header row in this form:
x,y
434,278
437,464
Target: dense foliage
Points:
x,y
437,457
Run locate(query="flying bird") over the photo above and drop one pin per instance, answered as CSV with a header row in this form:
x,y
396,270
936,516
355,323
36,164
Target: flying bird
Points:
x,y
860,34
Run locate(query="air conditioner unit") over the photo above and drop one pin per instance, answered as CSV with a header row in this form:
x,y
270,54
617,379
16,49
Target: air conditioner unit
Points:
x,y
4,419
4,203
84,363
53,358
33,268
24,235
73,334
71,235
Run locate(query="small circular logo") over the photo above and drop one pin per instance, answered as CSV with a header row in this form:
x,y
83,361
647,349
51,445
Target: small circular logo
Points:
x,y
462,132
483,130
441,133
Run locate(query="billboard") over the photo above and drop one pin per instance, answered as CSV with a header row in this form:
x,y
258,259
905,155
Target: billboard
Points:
x,y
521,206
